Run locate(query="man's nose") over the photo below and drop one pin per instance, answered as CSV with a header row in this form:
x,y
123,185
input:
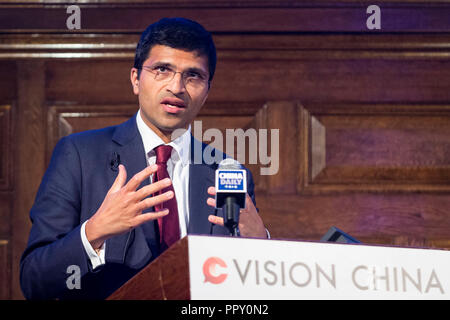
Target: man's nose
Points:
x,y
176,85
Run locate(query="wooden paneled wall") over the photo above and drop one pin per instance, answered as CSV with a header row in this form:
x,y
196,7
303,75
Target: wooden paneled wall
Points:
x,y
363,116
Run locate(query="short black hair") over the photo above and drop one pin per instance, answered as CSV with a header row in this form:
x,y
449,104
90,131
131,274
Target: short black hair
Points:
x,y
177,33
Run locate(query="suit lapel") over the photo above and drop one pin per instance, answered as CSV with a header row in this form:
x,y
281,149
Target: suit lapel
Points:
x,y
201,177
128,145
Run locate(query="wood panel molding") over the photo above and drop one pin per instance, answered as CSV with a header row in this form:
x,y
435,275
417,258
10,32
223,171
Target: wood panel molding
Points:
x,y
63,120
221,3
5,270
5,214
228,16
341,148
285,46
29,156
376,148
5,244
399,219
6,167
254,77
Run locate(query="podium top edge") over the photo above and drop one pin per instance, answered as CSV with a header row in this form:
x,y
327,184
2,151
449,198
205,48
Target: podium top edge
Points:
x,y
284,240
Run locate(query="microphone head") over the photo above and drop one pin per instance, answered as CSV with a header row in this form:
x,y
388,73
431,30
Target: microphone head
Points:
x,y
230,164
231,181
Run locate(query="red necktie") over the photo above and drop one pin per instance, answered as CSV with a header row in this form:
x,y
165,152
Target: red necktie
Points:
x,y
169,227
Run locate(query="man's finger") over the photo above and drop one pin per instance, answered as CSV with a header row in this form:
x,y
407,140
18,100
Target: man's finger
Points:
x,y
211,202
152,188
216,220
248,201
149,216
212,191
137,179
153,201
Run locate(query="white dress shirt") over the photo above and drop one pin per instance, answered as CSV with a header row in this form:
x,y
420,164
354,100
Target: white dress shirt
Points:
x,y
177,166
178,169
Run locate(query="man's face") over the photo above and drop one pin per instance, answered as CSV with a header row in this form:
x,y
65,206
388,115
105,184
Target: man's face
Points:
x,y
167,105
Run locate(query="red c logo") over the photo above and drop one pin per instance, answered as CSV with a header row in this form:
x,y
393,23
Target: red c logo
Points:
x,y
209,270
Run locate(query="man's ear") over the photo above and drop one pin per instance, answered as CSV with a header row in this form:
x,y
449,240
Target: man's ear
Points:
x,y
134,78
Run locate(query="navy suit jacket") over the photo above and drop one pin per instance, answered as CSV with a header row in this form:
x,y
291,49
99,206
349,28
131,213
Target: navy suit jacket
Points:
x,y
79,175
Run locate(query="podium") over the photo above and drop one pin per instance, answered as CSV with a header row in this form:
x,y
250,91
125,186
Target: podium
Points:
x,y
207,267
166,278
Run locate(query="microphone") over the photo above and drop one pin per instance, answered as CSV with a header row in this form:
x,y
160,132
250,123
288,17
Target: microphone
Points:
x,y
231,190
115,161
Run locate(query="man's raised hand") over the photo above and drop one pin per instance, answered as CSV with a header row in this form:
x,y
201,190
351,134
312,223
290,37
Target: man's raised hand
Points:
x,y
121,210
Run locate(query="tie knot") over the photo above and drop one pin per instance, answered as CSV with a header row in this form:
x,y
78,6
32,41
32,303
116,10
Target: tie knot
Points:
x,y
163,153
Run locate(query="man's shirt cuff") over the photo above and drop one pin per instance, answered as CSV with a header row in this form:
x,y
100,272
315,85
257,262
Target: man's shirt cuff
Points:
x,y
97,259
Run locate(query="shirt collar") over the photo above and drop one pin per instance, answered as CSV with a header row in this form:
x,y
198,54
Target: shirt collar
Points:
x,y
151,140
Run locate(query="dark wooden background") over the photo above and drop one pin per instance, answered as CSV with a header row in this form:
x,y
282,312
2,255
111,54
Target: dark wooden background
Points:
x,y
364,116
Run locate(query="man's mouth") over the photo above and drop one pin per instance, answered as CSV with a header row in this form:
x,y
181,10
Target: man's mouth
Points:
x,y
173,105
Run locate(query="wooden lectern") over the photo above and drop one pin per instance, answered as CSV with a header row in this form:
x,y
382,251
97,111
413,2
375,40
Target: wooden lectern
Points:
x,y
167,277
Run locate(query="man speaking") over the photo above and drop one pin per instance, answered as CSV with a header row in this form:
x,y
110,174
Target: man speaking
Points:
x,y
112,200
